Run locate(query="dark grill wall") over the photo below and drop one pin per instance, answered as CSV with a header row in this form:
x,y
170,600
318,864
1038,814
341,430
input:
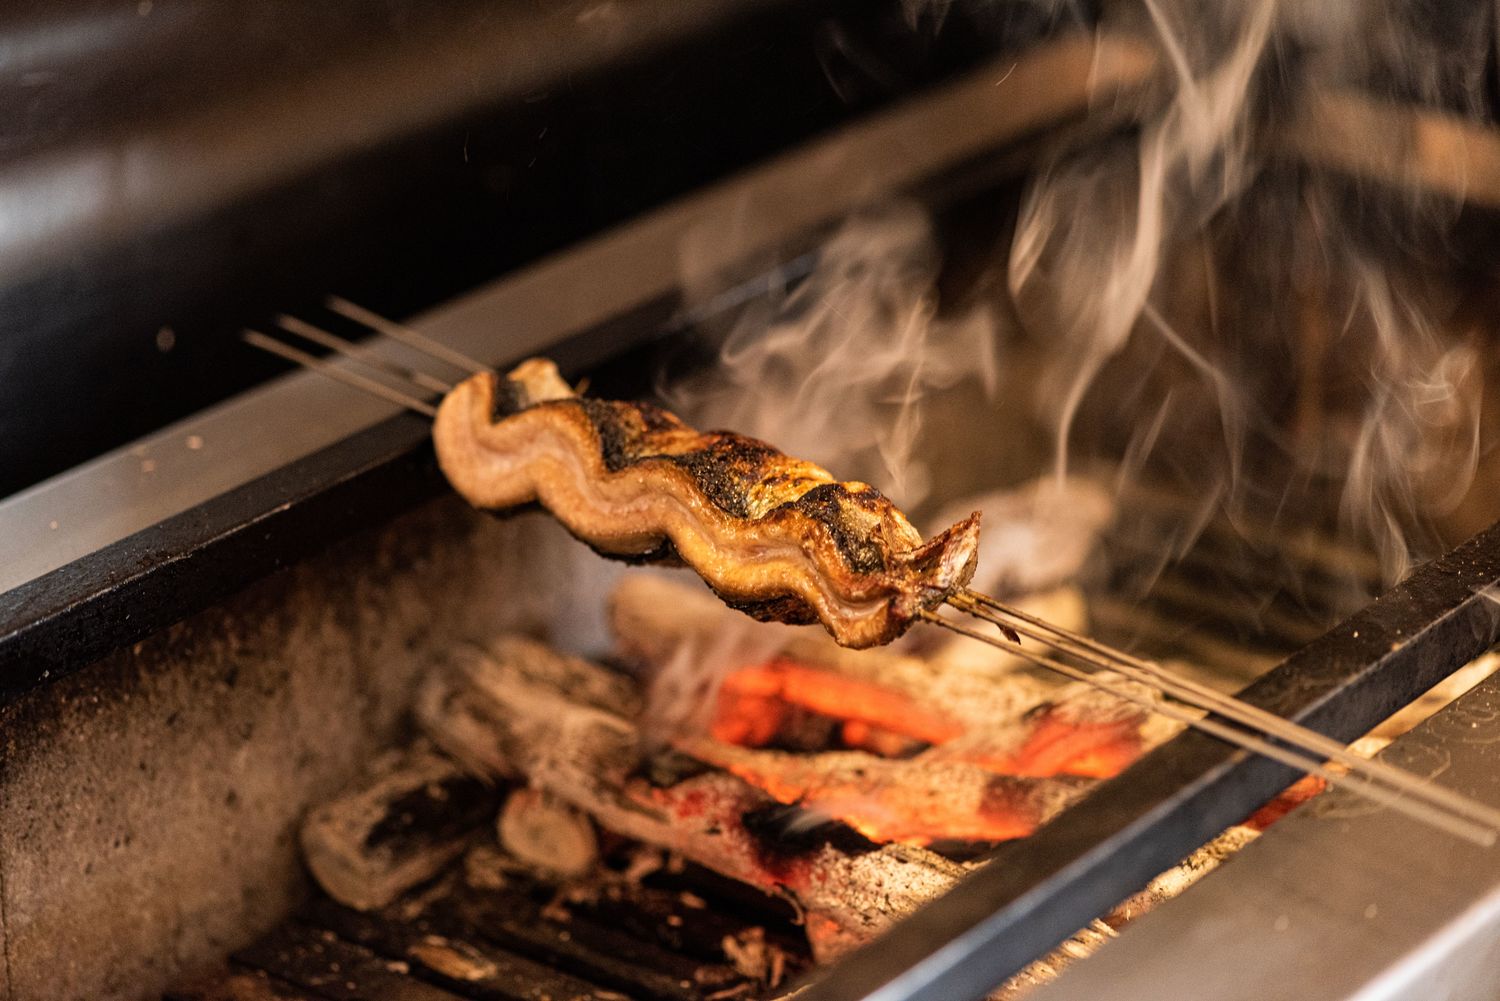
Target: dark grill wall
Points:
x,y
150,802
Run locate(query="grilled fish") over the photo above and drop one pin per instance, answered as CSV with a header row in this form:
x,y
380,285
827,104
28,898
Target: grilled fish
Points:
x,y
775,537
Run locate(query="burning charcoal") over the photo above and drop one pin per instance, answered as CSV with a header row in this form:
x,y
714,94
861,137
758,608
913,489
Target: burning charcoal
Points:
x,y
547,834
775,704
652,617
1010,723
916,801
517,722
1084,732
791,829
407,818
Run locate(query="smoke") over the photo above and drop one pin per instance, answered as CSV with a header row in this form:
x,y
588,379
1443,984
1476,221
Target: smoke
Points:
x,y
838,368
1260,333
682,692
1088,276
1275,342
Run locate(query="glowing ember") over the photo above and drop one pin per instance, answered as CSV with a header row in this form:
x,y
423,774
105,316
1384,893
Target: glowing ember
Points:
x,y
913,775
1291,797
1058,746
758,706
915,802
755,704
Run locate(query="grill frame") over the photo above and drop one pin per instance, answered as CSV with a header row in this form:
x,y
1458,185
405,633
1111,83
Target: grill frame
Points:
x,y
1039,891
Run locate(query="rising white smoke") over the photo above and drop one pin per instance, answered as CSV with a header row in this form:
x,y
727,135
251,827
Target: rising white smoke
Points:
x,y
1212,298
837,370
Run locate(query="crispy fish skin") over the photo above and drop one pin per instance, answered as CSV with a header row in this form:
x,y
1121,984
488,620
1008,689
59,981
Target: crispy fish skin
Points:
x,y
773,536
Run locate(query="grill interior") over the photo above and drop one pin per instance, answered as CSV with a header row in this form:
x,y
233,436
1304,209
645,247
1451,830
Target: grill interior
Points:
x,y
178,694
647,925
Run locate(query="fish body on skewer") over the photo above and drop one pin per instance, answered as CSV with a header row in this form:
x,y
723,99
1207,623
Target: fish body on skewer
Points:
x,y
775,537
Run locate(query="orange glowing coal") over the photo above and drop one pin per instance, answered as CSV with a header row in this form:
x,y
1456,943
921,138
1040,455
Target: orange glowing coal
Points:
x,y
895,770
1057,746
756,703
912,801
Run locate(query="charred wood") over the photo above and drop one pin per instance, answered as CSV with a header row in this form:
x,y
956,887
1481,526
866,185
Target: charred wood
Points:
x,y
455,957
334,969
409,817
600,952
654,618
512,719
225,985
548,834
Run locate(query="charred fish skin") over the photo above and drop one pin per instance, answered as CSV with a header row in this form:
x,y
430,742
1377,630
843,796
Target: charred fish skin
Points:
x,y
773,536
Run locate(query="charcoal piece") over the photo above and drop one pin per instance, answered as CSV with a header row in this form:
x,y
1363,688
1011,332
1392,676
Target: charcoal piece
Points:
x,y
599,952
456,958
226,985
668,767
548,834
406,819
517,719
335,970
679,919
788,829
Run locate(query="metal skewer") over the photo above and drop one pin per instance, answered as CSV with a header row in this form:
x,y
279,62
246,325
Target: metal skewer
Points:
x,y
1362,784
343,375
1197,694
405,335
362,355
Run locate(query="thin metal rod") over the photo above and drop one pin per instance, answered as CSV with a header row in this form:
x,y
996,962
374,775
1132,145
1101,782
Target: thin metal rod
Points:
x,y
405,335
1201,695
333,371
1457,826
360,353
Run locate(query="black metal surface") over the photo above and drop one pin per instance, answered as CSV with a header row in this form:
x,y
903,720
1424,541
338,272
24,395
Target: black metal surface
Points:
x,y
61,619
117,595
191,165
1039,891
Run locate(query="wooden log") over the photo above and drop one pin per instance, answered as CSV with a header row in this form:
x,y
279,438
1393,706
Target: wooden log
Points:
x,y
409,816
547,834
226,985
334,969
1008,721
515,722
918,800
653,617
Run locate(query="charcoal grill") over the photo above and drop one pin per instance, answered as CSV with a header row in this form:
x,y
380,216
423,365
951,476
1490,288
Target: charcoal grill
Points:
x,y
149,666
